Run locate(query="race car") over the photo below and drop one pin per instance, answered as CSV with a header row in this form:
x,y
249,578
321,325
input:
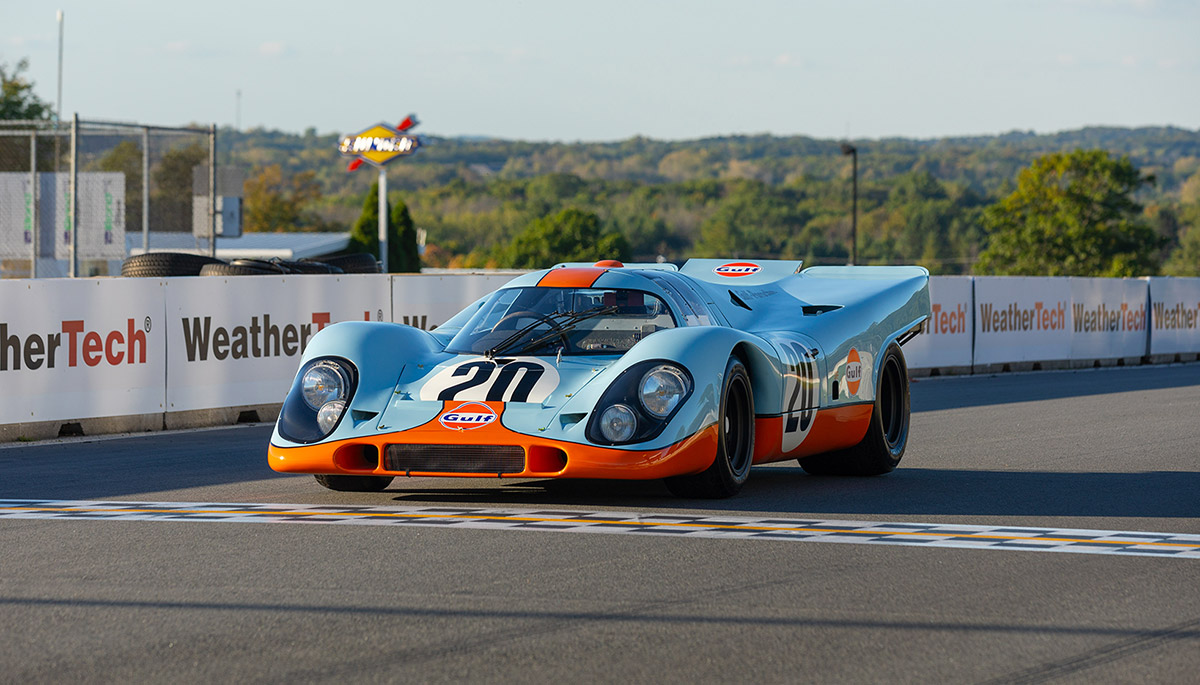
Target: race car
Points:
x,y
606,370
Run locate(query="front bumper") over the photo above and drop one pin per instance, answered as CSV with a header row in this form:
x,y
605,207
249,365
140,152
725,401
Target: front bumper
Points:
x,y
542,458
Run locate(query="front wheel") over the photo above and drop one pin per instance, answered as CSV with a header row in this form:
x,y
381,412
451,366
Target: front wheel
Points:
x,y
881,448
355,483
735,442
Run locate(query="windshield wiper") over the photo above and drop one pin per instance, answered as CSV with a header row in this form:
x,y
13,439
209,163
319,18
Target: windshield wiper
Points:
x,y
559,327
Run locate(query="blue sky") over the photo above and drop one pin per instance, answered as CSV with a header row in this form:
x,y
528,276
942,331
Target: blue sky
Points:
x,y
562,70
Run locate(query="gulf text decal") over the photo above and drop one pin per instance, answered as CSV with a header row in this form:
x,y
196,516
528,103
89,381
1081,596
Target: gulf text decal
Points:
x,y
1041,317
1102,319
1178,317
268,339
946,322
468,416
734,269
77,343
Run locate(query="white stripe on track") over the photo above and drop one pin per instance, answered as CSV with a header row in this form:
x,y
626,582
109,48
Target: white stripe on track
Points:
x,y
1073,540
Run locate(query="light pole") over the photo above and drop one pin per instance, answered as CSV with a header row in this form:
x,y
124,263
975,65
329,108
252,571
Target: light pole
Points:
x,y
848,149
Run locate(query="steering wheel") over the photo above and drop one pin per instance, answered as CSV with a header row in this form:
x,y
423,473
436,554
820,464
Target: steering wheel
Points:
x,y
530,314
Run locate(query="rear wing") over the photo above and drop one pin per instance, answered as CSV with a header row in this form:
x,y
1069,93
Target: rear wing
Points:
x,y
740,272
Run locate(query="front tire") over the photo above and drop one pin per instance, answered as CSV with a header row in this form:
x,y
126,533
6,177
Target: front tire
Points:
x,y
883,446
355,483
735,442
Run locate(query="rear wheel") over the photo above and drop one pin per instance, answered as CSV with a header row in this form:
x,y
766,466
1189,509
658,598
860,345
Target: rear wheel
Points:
x,y
735,442
355,483
882,447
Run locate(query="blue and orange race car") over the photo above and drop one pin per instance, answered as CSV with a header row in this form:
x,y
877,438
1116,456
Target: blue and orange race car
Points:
x,y
606,370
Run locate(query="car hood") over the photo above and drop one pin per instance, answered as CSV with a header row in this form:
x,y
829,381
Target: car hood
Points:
x,y
533,390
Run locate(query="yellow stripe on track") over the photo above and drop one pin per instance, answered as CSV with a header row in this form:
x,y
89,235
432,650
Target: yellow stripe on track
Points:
x,y
862,532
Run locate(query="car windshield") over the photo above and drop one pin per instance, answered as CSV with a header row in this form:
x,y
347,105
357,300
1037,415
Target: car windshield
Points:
x,y
573,321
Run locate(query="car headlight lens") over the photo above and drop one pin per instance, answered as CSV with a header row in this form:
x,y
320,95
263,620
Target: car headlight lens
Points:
x,y
661,390
618,423
323,383
318,401
329,413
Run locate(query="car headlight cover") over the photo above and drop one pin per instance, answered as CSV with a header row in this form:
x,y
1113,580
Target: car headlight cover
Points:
x,y
325,382
662,389
329,413
318,401
618,423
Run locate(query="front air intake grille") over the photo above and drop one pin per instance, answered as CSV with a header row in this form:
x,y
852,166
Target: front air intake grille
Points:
x,y
454,458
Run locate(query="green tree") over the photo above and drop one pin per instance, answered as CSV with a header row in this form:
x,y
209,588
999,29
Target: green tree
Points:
x,y
171,194
275,205
1072,214
1185,260
572,235
126,158
402,234
17,99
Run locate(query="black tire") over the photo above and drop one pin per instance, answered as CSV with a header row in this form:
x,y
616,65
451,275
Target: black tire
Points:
x,y
243,267
355,483
358,263
735,442
165,264
883,446
309,266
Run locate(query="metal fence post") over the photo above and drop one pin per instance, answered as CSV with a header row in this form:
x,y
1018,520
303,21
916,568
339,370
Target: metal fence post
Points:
x,y
74,197
212,190
145,188
33,198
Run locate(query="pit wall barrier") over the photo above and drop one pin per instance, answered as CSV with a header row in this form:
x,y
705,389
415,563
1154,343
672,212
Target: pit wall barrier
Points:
x,y
89,356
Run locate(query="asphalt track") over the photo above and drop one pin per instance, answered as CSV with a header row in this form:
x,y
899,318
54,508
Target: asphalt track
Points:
x,y
147,597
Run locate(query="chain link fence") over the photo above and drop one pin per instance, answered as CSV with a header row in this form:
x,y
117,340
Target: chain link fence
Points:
x,y
129,179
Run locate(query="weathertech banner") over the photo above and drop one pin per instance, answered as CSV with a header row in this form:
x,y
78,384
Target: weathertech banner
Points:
x,y
81,349
237,341
946,341
426,301
1108,318
1021,319
1174,315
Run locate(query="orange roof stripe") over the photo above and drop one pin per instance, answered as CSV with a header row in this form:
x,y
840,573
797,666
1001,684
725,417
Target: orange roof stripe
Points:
x,y
571,277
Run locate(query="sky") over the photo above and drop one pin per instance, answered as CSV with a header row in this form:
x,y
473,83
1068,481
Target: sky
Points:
x,y
561,70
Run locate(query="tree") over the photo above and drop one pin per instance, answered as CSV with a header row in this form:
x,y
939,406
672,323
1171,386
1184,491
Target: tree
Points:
x,y
403,256
126,158
1185,260
171,196
571,235
274,205
17,99
1072,215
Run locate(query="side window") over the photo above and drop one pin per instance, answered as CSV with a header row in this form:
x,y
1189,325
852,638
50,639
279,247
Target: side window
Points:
x,y
693,309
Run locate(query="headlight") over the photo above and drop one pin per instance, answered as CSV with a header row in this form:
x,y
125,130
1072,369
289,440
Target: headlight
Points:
x,y
318,400
639,403
329,413
661,390
324,382
618,423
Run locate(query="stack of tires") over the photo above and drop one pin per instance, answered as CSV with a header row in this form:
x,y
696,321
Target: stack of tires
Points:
x,y
166,264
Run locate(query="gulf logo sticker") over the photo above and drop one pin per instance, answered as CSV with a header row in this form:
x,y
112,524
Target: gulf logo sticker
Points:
x,y
736,269
467,417
853,372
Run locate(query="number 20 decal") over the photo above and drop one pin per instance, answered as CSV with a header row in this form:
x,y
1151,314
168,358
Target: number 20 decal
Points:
x,y
802,394
524,380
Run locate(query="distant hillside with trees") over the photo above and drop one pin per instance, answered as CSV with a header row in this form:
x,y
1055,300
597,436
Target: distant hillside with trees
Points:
x,y
920,201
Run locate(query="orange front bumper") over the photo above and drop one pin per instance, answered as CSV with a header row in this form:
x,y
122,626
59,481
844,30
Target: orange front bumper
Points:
x,y
544,458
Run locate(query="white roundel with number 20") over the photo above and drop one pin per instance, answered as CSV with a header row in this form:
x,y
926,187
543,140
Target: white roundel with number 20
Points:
x,y
525,379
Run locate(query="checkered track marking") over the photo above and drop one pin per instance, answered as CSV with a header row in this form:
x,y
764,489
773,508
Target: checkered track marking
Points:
x,y
1075,540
